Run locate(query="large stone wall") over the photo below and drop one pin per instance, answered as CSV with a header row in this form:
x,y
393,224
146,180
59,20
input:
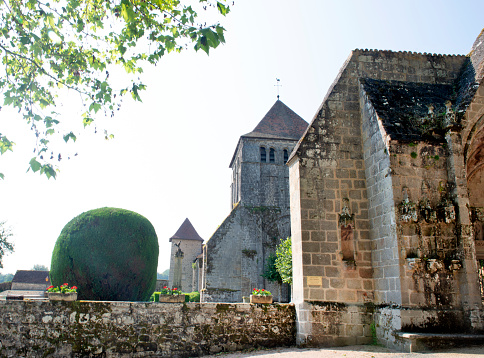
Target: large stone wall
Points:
x,y
235,255
136,329
343,216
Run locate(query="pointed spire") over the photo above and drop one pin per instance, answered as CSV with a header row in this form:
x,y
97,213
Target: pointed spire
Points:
x,y
280,122
186,232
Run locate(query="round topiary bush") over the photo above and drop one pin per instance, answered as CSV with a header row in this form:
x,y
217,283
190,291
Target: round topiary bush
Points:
x,y
109,254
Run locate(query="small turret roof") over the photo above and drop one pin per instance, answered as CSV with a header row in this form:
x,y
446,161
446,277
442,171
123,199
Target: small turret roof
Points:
x,y
280,122
186,232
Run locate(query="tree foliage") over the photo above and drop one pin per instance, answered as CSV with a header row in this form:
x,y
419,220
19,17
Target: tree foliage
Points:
x,y
111,254
38,267
5,245
6,277
270,271
165,275
54,45
284,260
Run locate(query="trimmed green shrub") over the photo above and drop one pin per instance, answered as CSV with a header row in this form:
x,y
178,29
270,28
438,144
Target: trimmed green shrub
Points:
x,y
110,254
192,296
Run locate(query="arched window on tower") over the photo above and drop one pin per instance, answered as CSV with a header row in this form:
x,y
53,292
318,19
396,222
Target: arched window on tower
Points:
x,y
286,156
272,155
262,154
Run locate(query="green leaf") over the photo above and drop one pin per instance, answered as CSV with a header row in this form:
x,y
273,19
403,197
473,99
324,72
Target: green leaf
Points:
x,y
87,121
224,10
94,107
70,136
2,176
35,165
48,170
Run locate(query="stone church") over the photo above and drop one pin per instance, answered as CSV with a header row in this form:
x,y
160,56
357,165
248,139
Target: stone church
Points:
x,y
387,202
235,256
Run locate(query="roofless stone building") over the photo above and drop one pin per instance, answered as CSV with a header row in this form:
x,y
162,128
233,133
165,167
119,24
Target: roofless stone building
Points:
x,y
387,201
235,256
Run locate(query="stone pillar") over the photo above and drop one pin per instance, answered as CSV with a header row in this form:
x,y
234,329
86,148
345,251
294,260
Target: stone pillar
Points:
x,y
177,276
468,279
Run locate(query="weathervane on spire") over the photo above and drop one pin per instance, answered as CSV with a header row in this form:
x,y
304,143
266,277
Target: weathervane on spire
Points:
x,y
278,84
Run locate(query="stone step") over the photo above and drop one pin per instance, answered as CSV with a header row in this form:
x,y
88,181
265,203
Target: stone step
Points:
x,y
419,342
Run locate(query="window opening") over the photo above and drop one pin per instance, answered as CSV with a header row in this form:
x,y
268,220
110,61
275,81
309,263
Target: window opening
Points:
x,y
262,154
272,155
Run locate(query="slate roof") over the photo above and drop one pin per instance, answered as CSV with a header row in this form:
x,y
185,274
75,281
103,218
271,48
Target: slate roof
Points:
x,y
280,122
400,105
186,232
31,276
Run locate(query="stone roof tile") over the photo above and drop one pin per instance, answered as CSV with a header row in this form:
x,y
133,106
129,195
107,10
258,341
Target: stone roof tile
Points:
x,y
31,276
186,232
280,122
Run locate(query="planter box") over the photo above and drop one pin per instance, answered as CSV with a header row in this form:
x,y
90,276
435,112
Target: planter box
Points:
x,y
172,298
58,296
260,299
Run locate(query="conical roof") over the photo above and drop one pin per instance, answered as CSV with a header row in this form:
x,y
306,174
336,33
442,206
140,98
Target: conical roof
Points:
x,y
186,232
280,122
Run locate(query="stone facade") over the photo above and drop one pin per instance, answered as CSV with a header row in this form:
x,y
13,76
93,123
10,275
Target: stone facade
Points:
x,y
235,256
380,187
186,246
137,329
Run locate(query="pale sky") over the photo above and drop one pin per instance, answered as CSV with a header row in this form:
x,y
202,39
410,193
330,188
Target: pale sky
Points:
x,y
169,159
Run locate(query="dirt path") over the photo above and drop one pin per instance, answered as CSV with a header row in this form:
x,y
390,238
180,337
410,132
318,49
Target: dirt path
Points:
x,y
354,352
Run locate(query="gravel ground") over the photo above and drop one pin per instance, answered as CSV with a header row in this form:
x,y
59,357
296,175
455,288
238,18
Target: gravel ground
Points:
x,y
354,352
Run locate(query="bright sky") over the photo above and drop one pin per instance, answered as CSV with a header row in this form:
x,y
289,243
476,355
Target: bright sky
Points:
x,y
169,159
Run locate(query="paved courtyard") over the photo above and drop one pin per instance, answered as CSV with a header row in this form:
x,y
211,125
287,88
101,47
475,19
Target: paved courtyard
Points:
x,y
354,352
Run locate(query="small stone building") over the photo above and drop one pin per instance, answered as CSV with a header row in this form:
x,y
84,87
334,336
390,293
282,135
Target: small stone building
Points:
x,y
387,201
235,256
186,245
30,280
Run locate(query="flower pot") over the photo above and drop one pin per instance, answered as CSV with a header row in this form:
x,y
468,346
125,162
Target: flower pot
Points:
x,y
59,296
172,298
260,299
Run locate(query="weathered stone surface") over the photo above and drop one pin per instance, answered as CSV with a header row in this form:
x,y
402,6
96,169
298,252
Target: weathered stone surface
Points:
x,y
136,329
413,126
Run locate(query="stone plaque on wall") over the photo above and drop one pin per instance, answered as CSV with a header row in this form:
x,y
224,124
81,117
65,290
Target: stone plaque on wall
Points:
x,y
315,281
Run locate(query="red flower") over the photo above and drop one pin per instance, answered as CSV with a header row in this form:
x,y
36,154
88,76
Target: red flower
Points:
x,y
174,289
165,287
74,287
262,289
50,287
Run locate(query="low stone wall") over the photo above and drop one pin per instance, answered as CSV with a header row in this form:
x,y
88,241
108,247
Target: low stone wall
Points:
x,y
140,329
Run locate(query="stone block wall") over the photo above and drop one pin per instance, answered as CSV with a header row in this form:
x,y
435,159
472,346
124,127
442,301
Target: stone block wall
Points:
x,y
136,329
334,324
385,251
261,184
343,172
236,254
191,249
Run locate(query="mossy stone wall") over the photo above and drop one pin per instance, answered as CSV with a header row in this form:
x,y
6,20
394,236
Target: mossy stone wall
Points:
x,y
141,329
